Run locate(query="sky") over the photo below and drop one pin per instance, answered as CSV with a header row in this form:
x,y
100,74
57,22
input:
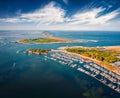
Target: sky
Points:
x,y
60,15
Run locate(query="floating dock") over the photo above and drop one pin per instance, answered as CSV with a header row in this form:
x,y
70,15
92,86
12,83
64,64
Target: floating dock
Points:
x,y
105,76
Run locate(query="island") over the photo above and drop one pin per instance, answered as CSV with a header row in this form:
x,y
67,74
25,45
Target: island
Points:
x,y
37,51
104,56
46,39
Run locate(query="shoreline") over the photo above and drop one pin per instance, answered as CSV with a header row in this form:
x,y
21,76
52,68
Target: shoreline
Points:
x,y
113,48
118,46
107,77
47,39
44,42
93,60
71,41
100,63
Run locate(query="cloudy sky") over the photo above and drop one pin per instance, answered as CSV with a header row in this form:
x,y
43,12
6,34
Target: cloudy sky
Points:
x,y
60,15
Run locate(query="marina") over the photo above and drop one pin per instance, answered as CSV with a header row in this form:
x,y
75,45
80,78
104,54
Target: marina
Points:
x,y
103,75
56,74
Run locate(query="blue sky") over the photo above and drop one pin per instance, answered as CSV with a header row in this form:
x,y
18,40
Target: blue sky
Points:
x,y
60,15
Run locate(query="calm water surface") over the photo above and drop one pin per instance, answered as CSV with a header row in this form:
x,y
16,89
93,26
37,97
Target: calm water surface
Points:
x,y
31,76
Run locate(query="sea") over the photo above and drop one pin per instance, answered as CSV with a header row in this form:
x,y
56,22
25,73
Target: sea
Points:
x,y
32,76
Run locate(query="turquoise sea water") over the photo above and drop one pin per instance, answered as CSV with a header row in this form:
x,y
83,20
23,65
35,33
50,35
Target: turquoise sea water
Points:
x,y
31,76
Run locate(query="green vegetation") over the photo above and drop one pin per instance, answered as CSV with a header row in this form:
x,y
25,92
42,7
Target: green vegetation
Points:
x,y
43,40
37,51
39,40
101,55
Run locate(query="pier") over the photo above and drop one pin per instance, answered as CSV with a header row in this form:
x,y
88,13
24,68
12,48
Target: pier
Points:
x,y
103,75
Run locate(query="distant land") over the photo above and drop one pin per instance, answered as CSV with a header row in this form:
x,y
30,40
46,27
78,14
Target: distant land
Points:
x,y
46,39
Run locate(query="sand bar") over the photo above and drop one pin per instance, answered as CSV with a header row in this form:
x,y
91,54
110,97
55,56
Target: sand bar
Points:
x,y
113,48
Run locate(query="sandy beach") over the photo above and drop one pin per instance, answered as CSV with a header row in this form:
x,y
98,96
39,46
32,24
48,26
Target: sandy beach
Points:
x,y
113,48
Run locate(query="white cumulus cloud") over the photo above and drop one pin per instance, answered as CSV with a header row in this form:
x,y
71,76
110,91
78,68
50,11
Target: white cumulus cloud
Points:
x,y
53,15
50,14
91,17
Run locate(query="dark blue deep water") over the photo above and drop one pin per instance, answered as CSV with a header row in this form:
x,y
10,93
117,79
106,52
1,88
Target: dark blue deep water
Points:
x,y
31,76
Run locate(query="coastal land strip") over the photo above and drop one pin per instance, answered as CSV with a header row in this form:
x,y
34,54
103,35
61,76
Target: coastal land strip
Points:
x,y
100,55
103,56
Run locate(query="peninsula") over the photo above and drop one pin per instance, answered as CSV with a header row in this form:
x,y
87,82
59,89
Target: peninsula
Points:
x,y
102,56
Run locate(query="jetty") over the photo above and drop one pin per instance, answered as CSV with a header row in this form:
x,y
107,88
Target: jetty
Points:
x,y
100,73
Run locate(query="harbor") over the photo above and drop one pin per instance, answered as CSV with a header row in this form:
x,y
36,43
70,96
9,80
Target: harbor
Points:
x,y
103,75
